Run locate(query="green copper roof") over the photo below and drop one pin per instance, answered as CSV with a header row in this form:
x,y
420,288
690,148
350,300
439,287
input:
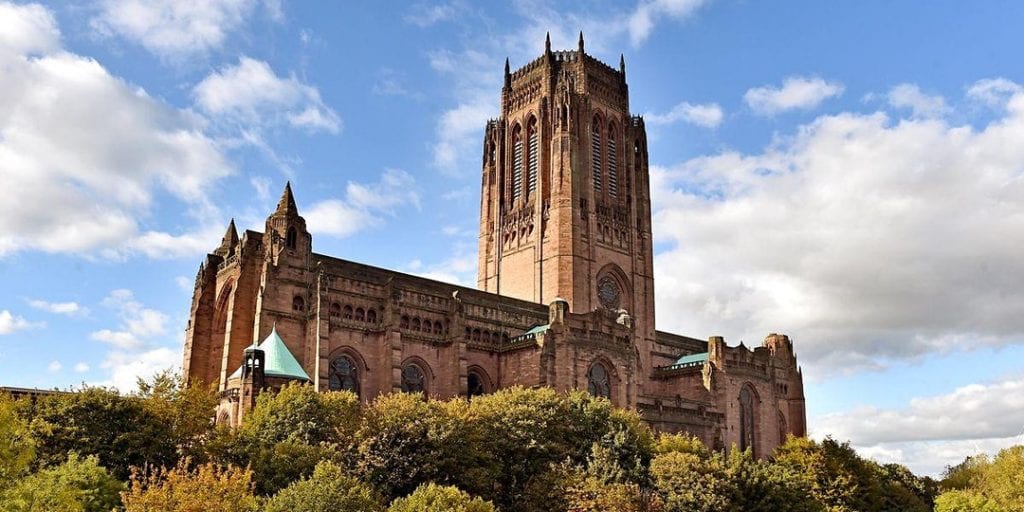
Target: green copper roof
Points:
x,y
538,329
278,359
693,358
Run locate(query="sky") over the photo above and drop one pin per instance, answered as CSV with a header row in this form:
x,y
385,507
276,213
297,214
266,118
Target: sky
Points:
x,y
848,173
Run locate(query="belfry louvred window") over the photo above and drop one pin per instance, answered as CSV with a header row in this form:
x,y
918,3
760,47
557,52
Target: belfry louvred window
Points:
x,y
517,162
533,156
613,164
595,154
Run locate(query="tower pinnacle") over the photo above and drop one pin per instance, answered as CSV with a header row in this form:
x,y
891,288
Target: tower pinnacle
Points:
x,y
508,74
287,202
622,64
581,41
547,44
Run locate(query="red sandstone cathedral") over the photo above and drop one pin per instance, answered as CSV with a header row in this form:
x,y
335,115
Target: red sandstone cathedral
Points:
x,y
564,298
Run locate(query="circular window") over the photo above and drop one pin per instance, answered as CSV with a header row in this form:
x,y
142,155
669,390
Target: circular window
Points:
x,y
608,292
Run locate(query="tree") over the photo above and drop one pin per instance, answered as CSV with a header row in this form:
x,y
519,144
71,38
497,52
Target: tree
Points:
x,y
835,475
187,410
765,487
996,484
406,441
965,501
179,489
690,483
78,485
17,446
327,490
436,498
119,430
298,413
591,494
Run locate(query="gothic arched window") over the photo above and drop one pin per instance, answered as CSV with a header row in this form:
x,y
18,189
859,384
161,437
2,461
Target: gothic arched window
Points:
x,y
533,155
344,375
598,381
360,315
404,322
347,313
335,310
298,304
517,162
371,316
783,430
747,437
415,324
290,238
595,153
438,329
413,380
476,385
613,163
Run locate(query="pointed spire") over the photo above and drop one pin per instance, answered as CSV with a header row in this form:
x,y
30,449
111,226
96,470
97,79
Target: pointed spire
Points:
x,y
581,42
231,236
622,64
287,202
508,74
547,44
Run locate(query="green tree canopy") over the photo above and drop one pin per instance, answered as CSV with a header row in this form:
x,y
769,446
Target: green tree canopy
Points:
x,y
208,487
327,490
78,485
437,498
17,446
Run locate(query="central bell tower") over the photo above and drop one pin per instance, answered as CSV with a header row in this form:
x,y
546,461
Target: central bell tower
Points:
x,y
565,208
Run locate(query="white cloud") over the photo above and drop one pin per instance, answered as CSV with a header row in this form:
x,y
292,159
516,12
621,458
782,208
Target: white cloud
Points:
x,y
868,239
261,184
425,15
174,28
459,269
127,367
81,367
708,115
647,13
909,96
933,432
796,93
993,91
54,366
184,283
250,93
81,189
10,323
60,308
363,204
138,326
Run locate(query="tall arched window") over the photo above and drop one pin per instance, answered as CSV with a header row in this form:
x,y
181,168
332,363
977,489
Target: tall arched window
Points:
x,y
747,437
298,304
335,310
360,315
598,381
415,324
517,162
347,313
290,238
371,316
533,155
404,322
595,153
413,380
438,329
344,375
613,163
783,430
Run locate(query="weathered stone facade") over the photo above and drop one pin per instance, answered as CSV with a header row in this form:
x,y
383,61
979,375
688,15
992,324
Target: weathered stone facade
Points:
x,y
565,278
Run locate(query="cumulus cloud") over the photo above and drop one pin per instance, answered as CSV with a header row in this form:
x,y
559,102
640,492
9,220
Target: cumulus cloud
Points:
x,y
250,93
796,93
708,115
647,13
54,366
936,431
363,205
10,323
60,308
909,96
126,368
174,28
80,188
993,91
870,239
139,324
427,14
81,367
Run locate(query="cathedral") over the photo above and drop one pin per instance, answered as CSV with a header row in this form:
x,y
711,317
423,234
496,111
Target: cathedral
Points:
x,y
564,296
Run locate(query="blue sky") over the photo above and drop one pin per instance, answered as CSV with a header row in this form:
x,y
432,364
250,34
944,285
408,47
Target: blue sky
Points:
x,y
849,173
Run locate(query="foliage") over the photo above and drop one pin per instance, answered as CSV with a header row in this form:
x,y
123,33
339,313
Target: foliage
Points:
x,y
299,414
436,498
406,441
121,431
761,486
79,484
996,484
591,494
691,483
208,487
186,410
17,446
327,490
833,472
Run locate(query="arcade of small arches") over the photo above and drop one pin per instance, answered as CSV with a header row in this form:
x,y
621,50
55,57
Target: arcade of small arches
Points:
x,y
346,371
